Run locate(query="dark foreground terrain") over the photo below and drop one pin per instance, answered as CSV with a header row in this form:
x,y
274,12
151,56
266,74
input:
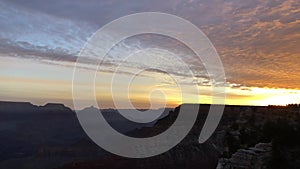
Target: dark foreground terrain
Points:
x,y
50,136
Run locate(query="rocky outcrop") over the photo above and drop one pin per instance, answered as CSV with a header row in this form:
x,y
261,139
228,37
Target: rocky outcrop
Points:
x,y
253,158
15,107
188,154
41,136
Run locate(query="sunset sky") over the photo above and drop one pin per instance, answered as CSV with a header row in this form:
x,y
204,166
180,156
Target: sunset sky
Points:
x,y
258,43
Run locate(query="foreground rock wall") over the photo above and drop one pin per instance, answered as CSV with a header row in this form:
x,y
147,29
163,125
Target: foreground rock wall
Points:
x,y
253,158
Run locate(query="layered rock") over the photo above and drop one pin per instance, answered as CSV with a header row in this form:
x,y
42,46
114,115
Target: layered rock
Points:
x,y
253,158
188,154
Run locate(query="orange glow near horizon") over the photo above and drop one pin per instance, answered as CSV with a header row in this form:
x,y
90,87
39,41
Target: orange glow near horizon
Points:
x,y
40,90
40,95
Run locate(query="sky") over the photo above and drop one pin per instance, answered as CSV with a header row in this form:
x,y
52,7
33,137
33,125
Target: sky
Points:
x,y
257,41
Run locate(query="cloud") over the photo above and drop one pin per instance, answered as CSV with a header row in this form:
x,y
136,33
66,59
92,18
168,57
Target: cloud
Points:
x,y
26,50
18,24
258,41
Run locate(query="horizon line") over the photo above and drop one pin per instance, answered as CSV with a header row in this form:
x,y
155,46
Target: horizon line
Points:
x,y
59,103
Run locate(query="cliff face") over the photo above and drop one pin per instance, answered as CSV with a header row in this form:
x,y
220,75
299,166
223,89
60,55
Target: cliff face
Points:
x,y
41,136
257,157
7,107
188,154
45,137
50,136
